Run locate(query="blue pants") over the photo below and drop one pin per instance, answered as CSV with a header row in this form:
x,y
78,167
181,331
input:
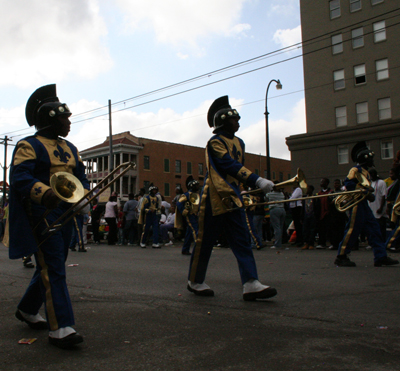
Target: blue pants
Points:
x,y
236,231
151,220
191,232
362,220
48,284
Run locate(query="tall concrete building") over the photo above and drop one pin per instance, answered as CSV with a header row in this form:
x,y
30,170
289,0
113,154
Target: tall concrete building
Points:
x,y
351,58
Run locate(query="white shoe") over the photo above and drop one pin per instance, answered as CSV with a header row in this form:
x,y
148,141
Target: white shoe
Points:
x,y
368,248
156,245
254,289
142,245
169,243
273,247
200,289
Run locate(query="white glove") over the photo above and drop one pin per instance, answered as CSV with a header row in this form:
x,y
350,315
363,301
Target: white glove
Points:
x,y
265,184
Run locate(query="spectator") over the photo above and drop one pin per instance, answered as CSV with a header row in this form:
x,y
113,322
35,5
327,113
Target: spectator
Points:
x,y
324,222
378,206
277,215
168,226
296,211
131,218
110,215
309,220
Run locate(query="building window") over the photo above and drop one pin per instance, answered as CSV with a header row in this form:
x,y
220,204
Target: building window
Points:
x,y
146,185
177,166
341,116
362,112
357,38
256,171
343,154
166,165
189,168
273,175
379,31
338,80
288,176
384,109
146,162
201,169
382,69
359,74
374,2
355,5
166,189
386,149
334,8
280,177
337,44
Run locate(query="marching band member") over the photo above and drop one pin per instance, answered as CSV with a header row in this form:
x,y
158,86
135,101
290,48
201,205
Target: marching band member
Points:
x,y
361,216
189,210
150,213
35,159
225,171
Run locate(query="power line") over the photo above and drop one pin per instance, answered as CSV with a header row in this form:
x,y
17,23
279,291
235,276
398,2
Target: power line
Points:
x,y
251,60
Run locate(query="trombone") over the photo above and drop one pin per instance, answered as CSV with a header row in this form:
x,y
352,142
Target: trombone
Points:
x,y
343,200
68,188
299,178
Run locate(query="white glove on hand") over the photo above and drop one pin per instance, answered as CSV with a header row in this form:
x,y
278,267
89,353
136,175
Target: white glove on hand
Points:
x,y
265,184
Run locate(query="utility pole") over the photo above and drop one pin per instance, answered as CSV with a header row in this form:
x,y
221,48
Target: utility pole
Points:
x,y
5,142
111,159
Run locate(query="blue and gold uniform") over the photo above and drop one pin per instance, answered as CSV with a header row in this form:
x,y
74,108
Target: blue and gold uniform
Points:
x,y
221,191
189,211
150,216
35,160
361,218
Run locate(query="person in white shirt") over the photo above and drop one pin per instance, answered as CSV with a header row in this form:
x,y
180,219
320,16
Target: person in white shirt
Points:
x,y
168,226
378,206
296,210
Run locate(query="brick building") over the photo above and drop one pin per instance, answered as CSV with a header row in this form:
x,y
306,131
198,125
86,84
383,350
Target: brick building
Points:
x,y
166,165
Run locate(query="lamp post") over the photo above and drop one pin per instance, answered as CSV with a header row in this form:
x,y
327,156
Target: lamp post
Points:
x,y
278,87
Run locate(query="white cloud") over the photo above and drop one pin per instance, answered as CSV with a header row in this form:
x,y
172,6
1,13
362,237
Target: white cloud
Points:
x,y
278,131
182,22
182,56
288,37
43,41
189,128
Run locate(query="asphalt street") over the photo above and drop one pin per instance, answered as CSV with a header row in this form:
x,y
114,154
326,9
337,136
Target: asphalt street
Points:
x,y
133,309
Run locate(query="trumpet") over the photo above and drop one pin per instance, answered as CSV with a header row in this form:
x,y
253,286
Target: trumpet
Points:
x,y
68,188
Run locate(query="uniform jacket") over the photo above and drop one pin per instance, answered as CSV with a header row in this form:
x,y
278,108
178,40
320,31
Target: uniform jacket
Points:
x,y
225,170
35,160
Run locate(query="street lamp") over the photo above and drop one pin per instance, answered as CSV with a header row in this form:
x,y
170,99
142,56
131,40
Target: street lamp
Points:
x,y
278,87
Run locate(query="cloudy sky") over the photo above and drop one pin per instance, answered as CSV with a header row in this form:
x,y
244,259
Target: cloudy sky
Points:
x,y
160,62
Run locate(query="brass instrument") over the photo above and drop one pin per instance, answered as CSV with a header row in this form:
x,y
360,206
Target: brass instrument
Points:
x,y
343,200
299,178
194,200
396,208
347,200
68,188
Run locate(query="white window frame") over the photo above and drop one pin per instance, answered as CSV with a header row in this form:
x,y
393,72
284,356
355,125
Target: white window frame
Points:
x,y
387,149
334,9
384,109
343,154
357,38
338,79
362,112
341,116
359,73
379,31
337,44
382,69
355,5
